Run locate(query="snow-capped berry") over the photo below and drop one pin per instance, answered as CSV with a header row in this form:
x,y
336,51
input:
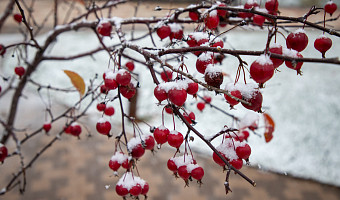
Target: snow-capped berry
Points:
x,y
277,49
136,190
322,44
121,190
3,152
192,88
177,96
194,15
213,76
128,91
135,147
203,61
272,6
221,12
176,31
250,4
330,7
17,17
2,50
47,127
114,165
160,93
234,93
197,173
130,66
212,20
217,43
109,110
237,163
218,160
103,126
110,80
255,101
292,64
123,77
149,142
175,139
172,165
262,69
20,71
297,40
183,172
104,28
161,134
145,188
101,106
243,151
166,76
163,32
200,106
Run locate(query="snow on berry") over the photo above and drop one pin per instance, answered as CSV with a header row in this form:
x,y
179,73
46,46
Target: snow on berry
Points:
x,y
212,20
183,160
203,61
250,119
123,77
164,31
292,64
262,69
103,126
161,134
176,31
175,139
277,49
120,157
297,40
128,181
228,148
213,76
104,28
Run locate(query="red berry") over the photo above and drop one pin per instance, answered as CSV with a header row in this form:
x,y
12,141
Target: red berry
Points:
x,y
194,15
175,139
161,134
176,31
177,96
136,190
243,152
197,173
189,118
330,7
295,65
207,99
262,69
121,190
109,111
145,188
297,40
160,93
218,160
104,28
20,71
103,126
221,12
212,20
130,66
163,31
3,152
277,49
75,130
114,165
172,165
149,142
68,129
192,88
47,127
101,106
183,172
237,163
110,84
128,91
192,42
2,50
249,5
258,19
200,106
126,164
123,77
138,151
17,17
203,61
168,110
217,43
103,89
255,101
272,5
213,76
323,44
235,93
166,76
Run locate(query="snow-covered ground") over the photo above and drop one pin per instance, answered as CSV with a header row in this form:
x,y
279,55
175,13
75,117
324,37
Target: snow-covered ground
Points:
x,y
305,108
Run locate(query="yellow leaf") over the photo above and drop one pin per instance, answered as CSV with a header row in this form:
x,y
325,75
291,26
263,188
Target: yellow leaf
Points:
x,y
77,81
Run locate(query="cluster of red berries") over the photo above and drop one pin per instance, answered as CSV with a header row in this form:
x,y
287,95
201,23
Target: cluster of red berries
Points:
x,y
176,91
119,159
133,185
137,145
73,129
185,166
3,152
233,151
173,31
163,135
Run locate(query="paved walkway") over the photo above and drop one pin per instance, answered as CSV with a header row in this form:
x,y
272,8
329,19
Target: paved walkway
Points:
x,y
78,169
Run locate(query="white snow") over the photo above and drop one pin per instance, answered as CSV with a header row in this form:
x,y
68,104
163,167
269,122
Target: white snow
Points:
x,y
205,56
299,30
185,159
213,70
128,180
133,142
264,60
275,45
175,27
249,119
120,157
